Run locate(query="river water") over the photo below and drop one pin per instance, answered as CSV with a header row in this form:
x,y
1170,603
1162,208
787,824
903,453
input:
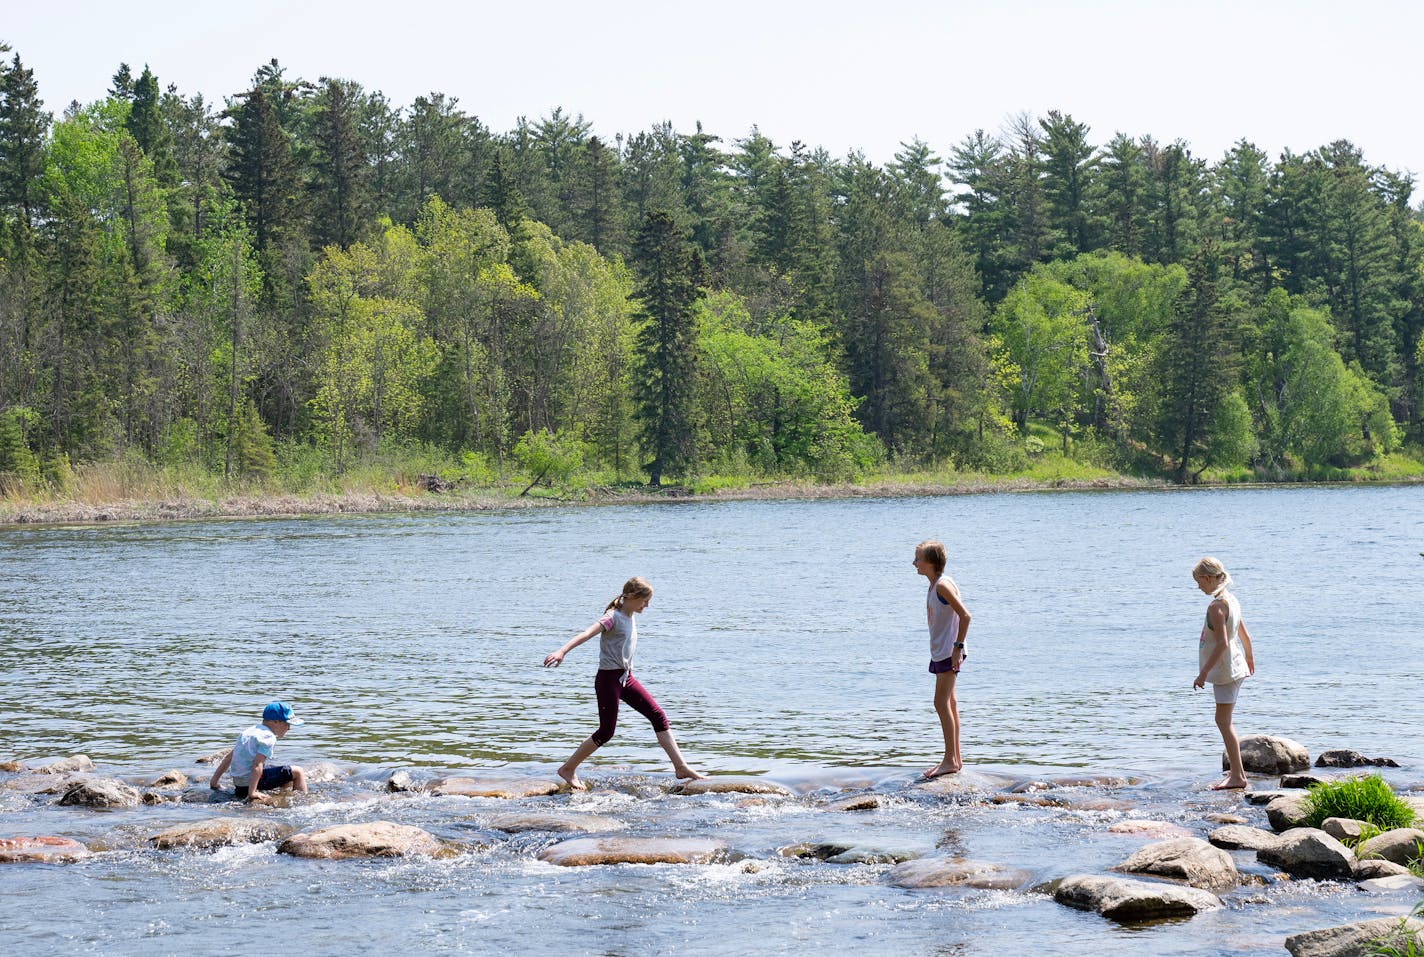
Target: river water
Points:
x,y
785,639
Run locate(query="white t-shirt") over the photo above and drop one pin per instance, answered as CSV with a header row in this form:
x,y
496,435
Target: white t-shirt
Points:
x,y
944,621
620,637
258,739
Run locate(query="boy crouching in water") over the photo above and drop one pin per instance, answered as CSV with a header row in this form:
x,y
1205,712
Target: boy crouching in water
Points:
x,y
251,775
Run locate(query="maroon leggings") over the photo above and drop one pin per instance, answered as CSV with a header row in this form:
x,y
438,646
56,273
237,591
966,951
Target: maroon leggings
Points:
x,y
608,685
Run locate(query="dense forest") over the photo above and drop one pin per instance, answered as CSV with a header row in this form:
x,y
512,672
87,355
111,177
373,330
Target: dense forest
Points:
x,y
308,273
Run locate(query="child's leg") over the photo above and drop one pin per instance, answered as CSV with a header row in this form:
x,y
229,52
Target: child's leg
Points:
x,y
607,690
299,780
640,701
1236,777
947,707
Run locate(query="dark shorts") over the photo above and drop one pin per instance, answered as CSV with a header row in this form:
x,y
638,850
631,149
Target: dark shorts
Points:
x,y
273,777
940,667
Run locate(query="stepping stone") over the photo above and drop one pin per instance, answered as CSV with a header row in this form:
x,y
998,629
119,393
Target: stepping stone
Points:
x,y
588,823
585,851
495,787
221,832
377,839
730,784
957,872
41,850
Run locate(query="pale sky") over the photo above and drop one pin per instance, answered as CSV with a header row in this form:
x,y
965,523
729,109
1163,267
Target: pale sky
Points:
x,y
847,76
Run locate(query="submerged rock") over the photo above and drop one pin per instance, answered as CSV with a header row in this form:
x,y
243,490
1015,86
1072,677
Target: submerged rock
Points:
x,y
1356,940
221,832
730,784
586,851
1158,829
1400,846
11,766
41,850
170,779
1345,758
1264,754
400,782
837,852
99,792
1309,852
494,787
957,872
588,823
859,802
1129,901
1286,812
79,762
1238,837
1225,819
1188,859
376,839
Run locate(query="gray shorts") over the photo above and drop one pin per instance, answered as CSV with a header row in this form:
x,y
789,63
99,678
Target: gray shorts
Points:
x,y
1226,694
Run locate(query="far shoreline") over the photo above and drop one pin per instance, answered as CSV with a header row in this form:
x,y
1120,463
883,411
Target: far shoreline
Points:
x,y
157,511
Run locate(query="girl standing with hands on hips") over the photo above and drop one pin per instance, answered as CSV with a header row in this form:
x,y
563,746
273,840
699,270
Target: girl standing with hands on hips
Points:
x,y
1224,653
949,623
615,682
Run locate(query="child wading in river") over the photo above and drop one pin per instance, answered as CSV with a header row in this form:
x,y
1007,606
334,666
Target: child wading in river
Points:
x,y
949,623
1225,659
615,682
252,777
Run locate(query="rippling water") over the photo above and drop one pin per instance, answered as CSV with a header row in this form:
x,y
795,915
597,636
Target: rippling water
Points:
x,y
784,637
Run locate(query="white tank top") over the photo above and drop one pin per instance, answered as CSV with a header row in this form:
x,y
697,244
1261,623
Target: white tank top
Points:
x,y
944,621
1232,666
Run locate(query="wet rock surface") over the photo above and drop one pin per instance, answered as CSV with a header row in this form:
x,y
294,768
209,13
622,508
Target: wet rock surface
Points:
x,y
1399,846
45,849
1149,829
220,832
1239,837
1265,754
1345,758
1286,812
957,872
99,792
70,765
730,784
582,852
494,787
1359,939
376,839
1309,852
515,823
1132,901
1187,859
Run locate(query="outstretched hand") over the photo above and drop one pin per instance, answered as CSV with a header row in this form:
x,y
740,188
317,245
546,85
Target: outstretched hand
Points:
x,y
553,660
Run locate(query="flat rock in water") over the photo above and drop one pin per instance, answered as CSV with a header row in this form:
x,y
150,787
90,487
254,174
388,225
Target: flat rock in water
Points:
x,y
11,766
170,779
1302,780
957,872
1309,852
586,823
858,802
35,784
1187,859
377,839
1393,884
962,782
1346,829
1357,940
99,792
221,832
730,784
1400,846
495,787
1264,754
845,852
1372,869
40,850
1239,837
1225,819
1092,781
1129,901
1030,800
1286,812
1345,758
585,851
1158,829
79,762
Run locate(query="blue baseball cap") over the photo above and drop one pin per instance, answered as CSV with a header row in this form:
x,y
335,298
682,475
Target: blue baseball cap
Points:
x,y
280,711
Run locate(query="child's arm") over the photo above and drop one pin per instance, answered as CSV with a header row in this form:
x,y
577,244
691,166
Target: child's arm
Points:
x,y
254,795
552,661
1246,646
221,770
1216,620
951,598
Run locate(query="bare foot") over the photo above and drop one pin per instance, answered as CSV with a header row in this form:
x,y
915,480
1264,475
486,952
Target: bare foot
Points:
x,y
687,774
939,770
572,780
1229,785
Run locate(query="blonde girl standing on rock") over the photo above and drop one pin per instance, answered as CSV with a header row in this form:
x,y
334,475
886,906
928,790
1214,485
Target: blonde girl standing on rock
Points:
x,y
949,624
614,681
1225,659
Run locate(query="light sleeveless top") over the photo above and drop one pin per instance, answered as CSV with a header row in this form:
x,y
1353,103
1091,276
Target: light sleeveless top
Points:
x,y
944,622
620,637
1232,666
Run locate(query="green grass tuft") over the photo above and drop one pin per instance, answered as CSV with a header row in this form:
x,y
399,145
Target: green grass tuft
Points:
x,y
1361,799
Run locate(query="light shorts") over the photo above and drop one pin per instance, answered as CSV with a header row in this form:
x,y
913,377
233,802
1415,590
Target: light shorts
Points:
x,y
1226,694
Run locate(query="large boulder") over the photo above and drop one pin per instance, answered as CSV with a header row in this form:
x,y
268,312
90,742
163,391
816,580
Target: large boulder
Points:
x,y
1286,812
957,872
1358,940
44,850
1400,846
79,762
586,823
1128,901
220,832
730,784
633,850
1239,837
1263,754
508,788
1309,852
376,839
99,792
1345,758
1187,859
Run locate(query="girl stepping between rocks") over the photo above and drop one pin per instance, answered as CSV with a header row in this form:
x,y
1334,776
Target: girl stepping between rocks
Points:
x,y
1225,659
615,683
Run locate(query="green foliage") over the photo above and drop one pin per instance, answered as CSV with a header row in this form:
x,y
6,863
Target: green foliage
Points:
x,y
252,452
1362,799
549,457
16,457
